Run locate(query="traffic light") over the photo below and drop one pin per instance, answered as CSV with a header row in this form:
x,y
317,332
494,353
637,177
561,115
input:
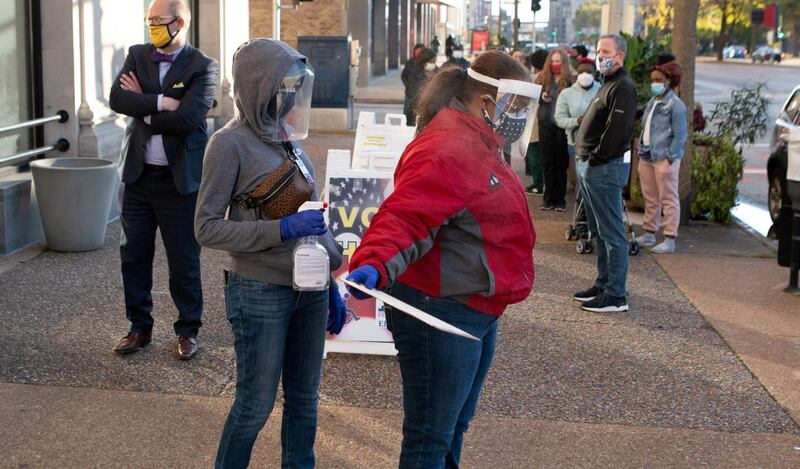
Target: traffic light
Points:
x,y
757,16
535,5
580,33
781,35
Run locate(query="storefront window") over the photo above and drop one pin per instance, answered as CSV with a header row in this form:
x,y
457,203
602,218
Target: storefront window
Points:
x,y
14,77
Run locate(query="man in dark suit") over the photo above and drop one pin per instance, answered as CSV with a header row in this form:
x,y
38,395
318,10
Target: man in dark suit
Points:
x,y
167,88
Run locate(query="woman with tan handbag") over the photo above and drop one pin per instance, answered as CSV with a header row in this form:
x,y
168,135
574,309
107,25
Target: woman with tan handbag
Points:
x,y
255,178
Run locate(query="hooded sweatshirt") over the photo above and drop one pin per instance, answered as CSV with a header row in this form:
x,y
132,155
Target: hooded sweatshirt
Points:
x,y
238,158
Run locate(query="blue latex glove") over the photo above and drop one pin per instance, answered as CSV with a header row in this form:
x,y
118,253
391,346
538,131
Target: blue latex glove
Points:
x,y
305,223
365,275
337,311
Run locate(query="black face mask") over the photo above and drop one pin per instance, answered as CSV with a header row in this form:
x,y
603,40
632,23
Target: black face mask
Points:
x,y
510,128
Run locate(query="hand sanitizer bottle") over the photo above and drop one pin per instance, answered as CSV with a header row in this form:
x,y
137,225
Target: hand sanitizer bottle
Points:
x,y
312,268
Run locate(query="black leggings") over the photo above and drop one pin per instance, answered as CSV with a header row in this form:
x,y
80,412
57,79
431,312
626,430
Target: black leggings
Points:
x,y
555,163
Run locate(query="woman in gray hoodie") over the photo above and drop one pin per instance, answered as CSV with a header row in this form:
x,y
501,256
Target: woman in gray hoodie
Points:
x,y
277,331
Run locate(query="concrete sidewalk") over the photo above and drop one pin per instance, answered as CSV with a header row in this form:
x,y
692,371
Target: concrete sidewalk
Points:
x,y
702,371
388,89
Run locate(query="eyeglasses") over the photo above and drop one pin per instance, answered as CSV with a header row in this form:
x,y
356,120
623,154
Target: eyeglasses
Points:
x,y
157,20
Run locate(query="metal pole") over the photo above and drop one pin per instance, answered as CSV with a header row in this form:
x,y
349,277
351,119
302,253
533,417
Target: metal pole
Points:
x,y
516,23
62,116
276,20
794,266
61,145
499,22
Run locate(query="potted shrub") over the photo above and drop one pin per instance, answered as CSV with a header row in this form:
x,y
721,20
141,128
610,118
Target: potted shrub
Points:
x,y
718,164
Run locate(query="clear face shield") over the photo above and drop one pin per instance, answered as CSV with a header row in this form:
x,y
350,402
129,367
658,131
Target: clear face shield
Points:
x,y
293,102
515,108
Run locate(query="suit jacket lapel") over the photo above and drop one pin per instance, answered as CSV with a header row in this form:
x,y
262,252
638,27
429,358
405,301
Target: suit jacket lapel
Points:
x,y
151,70
178,65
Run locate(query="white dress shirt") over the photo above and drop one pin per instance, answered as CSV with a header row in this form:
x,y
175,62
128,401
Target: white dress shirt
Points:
x,y
154,151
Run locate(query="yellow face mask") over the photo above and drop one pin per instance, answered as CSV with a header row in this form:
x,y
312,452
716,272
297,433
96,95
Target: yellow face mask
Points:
x,y
160,35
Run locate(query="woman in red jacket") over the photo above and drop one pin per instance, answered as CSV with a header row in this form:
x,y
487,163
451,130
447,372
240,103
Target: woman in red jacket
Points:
x,y
454,239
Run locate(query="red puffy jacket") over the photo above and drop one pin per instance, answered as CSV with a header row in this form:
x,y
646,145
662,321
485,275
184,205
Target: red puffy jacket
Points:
x,y
457,224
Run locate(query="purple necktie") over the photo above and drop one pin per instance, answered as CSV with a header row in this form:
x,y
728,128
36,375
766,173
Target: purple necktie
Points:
x,y
159,57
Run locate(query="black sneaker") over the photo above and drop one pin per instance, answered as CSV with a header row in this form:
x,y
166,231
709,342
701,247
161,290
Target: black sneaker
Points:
x,y
587,295
533,190
605,303
561,208
547,208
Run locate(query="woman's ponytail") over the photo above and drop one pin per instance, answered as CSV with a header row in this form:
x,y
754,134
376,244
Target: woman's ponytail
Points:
x,y
448,83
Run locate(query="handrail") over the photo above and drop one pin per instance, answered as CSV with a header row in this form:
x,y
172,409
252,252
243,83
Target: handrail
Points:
x,y
61,145
61,116
23,157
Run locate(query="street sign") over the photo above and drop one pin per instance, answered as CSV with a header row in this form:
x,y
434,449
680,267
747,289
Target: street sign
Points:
x,y
770,15
757,16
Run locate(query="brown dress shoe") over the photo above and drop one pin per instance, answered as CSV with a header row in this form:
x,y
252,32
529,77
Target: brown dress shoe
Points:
x,y
132,343
187,347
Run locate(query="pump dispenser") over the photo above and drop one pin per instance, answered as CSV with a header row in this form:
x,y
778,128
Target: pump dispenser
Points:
x,y
312,267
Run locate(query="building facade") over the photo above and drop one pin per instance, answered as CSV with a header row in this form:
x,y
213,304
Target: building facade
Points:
x,y
42,71
386,30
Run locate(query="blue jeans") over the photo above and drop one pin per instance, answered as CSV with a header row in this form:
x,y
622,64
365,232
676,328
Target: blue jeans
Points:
x,y
442,376
573,162
602,187
276,331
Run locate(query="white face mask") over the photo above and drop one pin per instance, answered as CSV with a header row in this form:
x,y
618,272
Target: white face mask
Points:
x,y
457,54
429,67
585,79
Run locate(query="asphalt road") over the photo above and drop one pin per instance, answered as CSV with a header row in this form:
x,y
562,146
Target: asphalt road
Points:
x,y
714,82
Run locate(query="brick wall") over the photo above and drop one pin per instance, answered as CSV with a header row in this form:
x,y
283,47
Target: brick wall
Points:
x,y
315,18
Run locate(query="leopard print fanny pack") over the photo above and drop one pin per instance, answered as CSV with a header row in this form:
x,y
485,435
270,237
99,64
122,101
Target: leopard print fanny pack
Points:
x,y
282,192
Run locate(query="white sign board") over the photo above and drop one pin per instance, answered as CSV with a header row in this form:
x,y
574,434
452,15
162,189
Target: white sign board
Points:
x,y
354,191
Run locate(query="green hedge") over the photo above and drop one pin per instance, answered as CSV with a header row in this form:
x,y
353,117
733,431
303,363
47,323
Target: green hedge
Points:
x,y
717,168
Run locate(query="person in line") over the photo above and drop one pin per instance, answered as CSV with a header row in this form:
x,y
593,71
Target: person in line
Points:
x,y
663,139
410,63
279,333
449,42
167,88
603,139
435,45
457,58
533,155
455,239
423,70
555,77
572,104
576,54
520,57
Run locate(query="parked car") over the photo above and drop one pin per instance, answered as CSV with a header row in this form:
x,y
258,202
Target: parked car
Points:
x,y
767,54
788,119
734,52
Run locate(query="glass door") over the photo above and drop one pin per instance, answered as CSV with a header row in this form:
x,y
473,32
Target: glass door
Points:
x,y
15,79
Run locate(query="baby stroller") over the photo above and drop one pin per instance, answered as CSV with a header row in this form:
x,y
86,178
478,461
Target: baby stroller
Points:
x,y
579,231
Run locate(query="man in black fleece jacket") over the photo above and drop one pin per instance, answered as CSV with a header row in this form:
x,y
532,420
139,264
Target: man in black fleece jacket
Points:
x,y
601,145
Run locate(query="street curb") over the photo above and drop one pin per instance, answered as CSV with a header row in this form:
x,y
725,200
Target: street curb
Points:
x,y
388,101
713,60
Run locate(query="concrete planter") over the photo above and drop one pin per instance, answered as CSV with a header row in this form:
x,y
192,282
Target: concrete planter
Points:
x,y
74,196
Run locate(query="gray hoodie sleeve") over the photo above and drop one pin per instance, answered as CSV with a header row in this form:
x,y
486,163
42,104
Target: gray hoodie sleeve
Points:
x,y
220,172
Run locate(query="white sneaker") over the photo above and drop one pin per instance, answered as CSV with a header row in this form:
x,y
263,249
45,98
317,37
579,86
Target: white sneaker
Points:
x,y
647,239
667,246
